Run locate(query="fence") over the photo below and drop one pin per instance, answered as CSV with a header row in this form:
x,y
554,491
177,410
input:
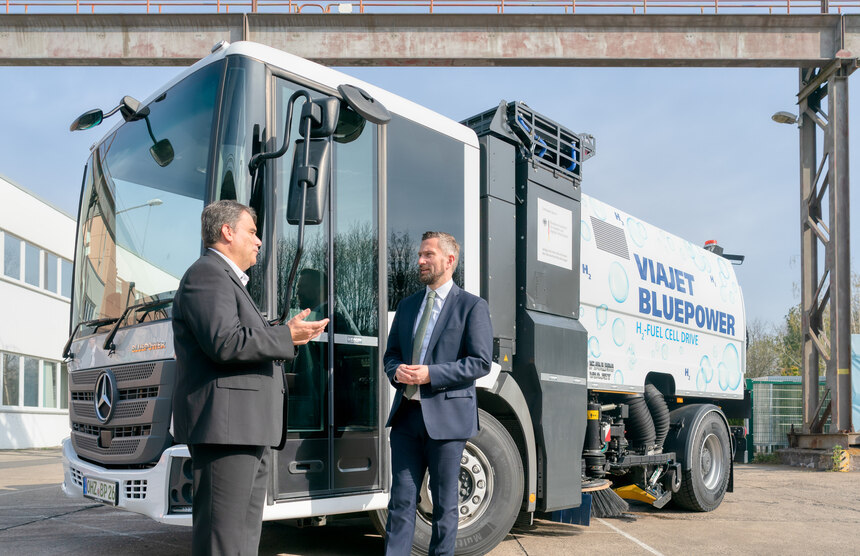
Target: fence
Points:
x,y
776,407
436,6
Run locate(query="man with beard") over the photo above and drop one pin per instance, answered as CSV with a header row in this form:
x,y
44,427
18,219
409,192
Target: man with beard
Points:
x,y
441,341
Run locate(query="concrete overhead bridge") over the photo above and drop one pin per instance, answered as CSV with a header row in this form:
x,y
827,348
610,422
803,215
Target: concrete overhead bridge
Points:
x,y
821,38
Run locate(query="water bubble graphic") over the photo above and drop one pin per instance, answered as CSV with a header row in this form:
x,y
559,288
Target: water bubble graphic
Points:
x,y
724,376
618,377
701,383
631,357
601,314
700,261
724,268
670,243
731,360
619,285
585,233
690,249
637,231
618,332
706,368
665,351
594,346
581,311
597,210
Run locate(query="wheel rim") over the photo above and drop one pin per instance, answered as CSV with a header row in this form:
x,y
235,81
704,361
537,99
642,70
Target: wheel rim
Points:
x,y
711,461
475,488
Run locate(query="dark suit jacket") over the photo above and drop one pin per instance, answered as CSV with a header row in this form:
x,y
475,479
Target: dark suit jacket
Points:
x,y
459,352
228,388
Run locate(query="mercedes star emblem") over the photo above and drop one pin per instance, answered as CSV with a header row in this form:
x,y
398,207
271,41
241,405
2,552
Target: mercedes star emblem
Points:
x,y
105,396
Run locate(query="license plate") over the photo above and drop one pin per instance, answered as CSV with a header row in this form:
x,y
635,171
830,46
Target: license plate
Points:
x,y
103,491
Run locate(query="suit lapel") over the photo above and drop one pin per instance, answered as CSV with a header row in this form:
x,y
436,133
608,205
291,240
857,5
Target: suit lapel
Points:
x,y
444,316
238,283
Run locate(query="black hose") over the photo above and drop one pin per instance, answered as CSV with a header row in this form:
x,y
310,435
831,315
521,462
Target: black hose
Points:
x,y
659,413
640,426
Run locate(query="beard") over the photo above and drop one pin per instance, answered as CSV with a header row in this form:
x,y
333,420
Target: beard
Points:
x,y
429,277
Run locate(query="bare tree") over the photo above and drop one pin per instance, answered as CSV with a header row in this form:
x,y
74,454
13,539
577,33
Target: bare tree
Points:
x,y
763,349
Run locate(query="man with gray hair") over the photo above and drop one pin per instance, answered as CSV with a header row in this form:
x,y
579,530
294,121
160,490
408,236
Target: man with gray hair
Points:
x,y
230,390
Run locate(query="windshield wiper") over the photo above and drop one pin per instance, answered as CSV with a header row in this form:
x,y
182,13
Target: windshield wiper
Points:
x,y
158,303
95,323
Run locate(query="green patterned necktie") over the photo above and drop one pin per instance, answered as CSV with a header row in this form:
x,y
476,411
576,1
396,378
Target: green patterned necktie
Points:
x,y
418,341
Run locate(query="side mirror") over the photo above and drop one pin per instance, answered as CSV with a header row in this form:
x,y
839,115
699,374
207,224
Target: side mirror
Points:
x,y
162,152
324,115
361,101
316,174
131,109
88,119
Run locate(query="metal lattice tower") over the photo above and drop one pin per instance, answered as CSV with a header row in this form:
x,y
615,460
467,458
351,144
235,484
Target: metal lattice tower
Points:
x,y
825,181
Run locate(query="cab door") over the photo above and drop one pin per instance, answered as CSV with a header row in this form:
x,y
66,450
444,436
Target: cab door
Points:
x,y
334,420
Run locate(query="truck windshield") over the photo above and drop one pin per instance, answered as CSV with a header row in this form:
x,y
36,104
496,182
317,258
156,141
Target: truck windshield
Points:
x,y
139,221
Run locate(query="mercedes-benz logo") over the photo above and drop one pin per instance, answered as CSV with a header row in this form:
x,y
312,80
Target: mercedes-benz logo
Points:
x,y
105,396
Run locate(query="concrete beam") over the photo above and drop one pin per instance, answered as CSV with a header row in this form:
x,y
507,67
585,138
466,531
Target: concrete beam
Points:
x,y
436,40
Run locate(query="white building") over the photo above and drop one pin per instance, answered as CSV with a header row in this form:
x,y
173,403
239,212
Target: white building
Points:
x,y
37,241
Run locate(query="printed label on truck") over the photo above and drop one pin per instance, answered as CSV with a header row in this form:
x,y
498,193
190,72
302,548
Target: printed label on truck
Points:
x,y
554,237
653,302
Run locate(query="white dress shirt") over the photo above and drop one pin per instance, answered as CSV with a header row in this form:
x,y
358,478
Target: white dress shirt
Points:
x,y
441,294
239,273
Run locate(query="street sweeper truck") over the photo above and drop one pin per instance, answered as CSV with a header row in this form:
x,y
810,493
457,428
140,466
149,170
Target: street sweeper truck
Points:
x,y
618,347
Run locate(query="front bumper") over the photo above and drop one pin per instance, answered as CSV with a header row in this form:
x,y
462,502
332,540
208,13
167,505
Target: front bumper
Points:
x,y
142,491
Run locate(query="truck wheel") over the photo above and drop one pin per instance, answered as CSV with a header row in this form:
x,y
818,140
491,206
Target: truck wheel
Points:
x,y
704,484
491,492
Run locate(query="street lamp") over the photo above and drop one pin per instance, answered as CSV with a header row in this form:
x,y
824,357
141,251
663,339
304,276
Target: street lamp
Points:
x,y
149,203
783,117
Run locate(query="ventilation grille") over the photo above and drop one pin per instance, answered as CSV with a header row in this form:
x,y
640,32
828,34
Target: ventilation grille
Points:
x,y
125,373
135,489
610,238
117,447
77,476
138,393
118,432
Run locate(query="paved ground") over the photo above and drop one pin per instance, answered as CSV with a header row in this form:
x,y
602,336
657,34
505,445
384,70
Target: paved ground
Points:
x,y
774,510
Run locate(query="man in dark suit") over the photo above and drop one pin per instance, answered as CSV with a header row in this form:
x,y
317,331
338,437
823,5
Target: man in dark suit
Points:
x,y
441,340
229,399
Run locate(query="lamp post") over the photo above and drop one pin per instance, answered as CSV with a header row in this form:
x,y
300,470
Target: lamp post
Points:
x,y
149,203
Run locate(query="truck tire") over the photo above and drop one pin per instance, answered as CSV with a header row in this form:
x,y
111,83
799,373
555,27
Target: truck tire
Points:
x,y
704,484
491,492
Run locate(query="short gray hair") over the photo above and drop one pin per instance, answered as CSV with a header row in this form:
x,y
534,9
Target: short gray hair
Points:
x,y
447,242
219,213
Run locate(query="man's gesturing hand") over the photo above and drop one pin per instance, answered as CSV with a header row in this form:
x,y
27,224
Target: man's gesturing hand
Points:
x,y
303,330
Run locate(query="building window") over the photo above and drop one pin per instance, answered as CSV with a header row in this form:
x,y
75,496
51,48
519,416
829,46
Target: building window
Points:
x,y
31,382
11,375
49,384
50,275
66,275
31,264
40,268
12,257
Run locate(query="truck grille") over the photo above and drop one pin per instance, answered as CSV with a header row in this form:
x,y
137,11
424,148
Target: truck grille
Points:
x,y
137,431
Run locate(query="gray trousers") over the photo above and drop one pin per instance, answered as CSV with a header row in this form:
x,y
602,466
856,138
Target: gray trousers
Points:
x,y
229,493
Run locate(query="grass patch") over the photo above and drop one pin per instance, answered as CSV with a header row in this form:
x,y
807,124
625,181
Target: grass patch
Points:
x,y
763,457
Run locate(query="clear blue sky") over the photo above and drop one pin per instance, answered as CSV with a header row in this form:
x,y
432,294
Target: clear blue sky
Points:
x,y
692,151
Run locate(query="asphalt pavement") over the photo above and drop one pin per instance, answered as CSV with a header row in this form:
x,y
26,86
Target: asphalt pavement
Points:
x,y
773,510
